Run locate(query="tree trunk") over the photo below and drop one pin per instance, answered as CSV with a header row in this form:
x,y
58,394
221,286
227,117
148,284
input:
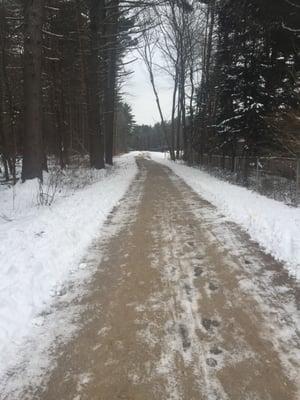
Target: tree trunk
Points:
x,y
95,132
32,153
3,142
178,130
174,110
3,135
110,75
205,86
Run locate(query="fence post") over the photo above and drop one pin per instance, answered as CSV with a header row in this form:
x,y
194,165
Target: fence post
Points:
x,y
298,181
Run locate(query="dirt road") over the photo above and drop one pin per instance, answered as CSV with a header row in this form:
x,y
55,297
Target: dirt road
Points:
x,y
182,305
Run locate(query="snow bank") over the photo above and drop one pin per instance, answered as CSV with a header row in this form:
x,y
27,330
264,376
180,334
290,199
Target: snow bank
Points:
x,y
40,245
274,225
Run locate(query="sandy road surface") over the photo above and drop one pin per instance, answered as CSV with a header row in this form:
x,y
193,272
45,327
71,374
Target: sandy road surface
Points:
x,y
181,306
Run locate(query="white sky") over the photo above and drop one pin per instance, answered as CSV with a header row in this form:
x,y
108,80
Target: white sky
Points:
x,y
139,94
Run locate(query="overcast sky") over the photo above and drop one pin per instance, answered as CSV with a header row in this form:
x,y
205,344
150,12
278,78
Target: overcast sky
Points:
x,y
139,94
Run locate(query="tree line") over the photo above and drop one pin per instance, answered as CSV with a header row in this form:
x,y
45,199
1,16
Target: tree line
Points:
x,y
235,76
60,72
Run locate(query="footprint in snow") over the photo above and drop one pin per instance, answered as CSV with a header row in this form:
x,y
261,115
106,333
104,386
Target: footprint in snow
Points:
x,y
198,271
186,341
187,289
216,350
211,362
210,323
213,286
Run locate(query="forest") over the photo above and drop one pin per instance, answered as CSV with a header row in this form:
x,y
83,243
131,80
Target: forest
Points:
x,y
234,73
61,68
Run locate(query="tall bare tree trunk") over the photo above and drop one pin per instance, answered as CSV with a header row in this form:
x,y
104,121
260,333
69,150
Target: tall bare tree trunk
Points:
x,y
32,155
206,89
178,129
4,146
95,132
172,144
111,75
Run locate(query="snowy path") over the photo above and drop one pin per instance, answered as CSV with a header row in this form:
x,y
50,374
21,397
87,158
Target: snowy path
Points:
x,y
182,305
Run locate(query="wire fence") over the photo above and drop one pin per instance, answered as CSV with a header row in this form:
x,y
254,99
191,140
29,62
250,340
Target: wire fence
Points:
x,y
275,177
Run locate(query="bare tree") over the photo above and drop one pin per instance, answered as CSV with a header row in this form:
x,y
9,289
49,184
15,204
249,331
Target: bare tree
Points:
x,y
176,36
147,54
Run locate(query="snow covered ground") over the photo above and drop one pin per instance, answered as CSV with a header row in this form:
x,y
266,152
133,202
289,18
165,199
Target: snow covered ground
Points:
x,y
274,225
40,245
